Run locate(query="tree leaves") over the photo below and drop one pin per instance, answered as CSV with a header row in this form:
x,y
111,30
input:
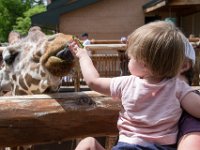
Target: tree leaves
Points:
x,y
23,23
15,14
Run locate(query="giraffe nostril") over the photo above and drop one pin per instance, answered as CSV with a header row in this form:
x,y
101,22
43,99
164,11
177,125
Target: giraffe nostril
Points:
x,y
65,54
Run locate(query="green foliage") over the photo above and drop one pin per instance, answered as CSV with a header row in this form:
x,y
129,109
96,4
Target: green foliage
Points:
x,y
10,10
23,23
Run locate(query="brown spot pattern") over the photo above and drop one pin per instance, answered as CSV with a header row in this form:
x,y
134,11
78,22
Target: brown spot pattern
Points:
x,y
22,84
42,74
35,91
29,80
14,77
35,59
20,92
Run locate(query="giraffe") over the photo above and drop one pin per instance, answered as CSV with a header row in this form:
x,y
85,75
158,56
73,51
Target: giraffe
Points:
x,y
35,64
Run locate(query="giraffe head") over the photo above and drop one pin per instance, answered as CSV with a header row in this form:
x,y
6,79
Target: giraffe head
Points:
x,y
36,63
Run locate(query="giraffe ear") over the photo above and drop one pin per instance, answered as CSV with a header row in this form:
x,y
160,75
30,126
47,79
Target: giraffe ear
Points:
x,y
35,34
13,37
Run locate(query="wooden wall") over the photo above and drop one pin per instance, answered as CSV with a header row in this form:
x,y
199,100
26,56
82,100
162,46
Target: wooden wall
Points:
x,y
191,24
106,19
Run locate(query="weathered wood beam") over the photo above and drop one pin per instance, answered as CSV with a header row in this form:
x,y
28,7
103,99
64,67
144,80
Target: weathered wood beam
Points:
x,y
56,117
93,41
194,39
103,47
183,2
155,7
100,47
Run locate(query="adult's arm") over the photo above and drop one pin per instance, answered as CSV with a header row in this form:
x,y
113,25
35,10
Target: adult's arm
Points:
x,y
191,103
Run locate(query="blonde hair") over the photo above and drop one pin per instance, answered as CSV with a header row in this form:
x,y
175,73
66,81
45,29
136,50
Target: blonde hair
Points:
x,y
159,45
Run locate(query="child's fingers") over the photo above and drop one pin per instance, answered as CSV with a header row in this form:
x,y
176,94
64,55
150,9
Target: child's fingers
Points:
x,y
73,48
78,42
72,44
76,48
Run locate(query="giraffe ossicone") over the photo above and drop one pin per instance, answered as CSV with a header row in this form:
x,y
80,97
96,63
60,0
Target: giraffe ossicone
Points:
x,y
36,63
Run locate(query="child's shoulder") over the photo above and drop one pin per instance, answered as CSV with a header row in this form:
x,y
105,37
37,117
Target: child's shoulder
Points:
x,y
124,79
128,77
181,82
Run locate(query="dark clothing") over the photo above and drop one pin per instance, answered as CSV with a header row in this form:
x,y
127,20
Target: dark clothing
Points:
x,y
150,146
188,123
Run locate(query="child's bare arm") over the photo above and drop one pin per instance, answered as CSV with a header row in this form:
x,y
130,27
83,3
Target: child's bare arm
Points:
x,y
191,103
90,74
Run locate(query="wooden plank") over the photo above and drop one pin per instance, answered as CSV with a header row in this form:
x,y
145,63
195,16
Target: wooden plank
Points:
x,y
156,6
99,47
103,47
56,117
183,2
194,39
105,41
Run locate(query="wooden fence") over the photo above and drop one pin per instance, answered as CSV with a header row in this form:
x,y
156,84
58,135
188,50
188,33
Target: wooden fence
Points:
x,y
195,41
35,119
44,118
111,61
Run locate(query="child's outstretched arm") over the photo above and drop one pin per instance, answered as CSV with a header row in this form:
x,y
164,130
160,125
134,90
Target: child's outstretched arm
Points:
x,y
191,103
90,74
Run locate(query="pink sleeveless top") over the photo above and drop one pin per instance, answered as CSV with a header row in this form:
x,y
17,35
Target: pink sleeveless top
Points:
x,y
150,112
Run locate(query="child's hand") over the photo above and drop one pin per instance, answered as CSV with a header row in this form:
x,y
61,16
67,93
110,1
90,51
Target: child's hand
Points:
x,y
77,51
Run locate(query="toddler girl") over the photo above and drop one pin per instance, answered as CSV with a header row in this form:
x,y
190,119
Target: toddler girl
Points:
x,y
152,96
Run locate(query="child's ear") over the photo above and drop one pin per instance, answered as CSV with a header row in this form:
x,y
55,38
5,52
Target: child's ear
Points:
x,y
186,66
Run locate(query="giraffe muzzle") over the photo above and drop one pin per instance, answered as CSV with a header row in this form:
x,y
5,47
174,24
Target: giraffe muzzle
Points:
x,y
65,54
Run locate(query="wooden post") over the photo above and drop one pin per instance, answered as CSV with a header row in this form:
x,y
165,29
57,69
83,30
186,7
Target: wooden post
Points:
x,y
123,63
77,76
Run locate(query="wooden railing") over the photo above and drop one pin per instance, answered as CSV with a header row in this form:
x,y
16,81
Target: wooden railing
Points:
x,y
109,59
57,117
196,78
35,119
195,41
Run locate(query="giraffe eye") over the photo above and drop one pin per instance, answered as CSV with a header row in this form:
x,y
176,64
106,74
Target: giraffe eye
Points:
x,y
9,59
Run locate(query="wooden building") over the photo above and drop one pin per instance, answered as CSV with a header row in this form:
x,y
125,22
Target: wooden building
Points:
x,y
102,19
185,13
112,19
